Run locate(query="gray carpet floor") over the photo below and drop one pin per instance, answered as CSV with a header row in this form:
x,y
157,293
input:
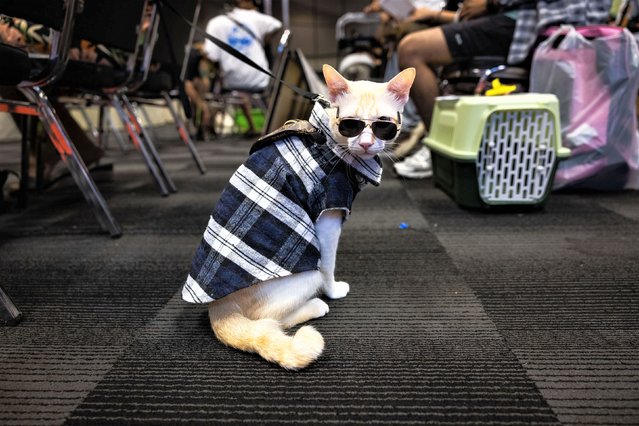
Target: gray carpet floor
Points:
x,y
462,318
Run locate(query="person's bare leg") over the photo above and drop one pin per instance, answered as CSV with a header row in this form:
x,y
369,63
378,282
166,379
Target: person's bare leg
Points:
x,y
424,50
202,87
246,108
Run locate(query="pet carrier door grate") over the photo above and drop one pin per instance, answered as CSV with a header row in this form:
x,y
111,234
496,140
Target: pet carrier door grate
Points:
x,y
516,157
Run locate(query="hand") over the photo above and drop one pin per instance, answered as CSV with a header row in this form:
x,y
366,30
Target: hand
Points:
x,y
88,55
74,54
385,18
373,7
423,14
472,9
11,35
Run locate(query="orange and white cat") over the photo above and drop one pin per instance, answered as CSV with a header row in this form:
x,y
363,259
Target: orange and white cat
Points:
x,y
301,200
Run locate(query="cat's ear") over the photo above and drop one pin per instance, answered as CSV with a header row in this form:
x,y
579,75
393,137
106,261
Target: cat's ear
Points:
x,y
337,85
400,84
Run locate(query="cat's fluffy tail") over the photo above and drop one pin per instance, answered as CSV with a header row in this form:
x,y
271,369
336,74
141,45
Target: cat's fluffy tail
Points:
x,y
266,337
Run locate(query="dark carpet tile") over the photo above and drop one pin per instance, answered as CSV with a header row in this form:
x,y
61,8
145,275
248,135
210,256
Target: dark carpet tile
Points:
x,y
593,384
575,211
560,285
422,365
404,347
410,381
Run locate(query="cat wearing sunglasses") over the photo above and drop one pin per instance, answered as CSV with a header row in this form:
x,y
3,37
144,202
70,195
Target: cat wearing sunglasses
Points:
x,y
268,253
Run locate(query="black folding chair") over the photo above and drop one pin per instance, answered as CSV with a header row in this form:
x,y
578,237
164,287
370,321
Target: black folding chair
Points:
x,y
130,26
160,88
62,16
17,70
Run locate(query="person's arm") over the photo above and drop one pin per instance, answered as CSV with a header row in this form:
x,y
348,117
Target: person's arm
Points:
x,y
267,26
472,9
269,37
431,16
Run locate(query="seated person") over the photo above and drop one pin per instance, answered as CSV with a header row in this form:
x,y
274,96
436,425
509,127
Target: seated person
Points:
x,y
248,31
505,28
425,14
197,83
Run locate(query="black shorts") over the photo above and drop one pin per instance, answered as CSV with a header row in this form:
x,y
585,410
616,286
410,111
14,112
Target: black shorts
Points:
x,y
486,36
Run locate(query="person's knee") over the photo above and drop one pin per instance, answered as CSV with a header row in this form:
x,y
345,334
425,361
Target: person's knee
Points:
x,y
409,51
427,47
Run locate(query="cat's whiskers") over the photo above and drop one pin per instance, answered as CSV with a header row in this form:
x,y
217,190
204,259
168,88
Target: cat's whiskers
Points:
x,y
390,154
389,150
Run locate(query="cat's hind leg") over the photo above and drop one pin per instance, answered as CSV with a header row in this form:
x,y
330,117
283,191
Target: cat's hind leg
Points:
x,y
251,320
314,308
280,297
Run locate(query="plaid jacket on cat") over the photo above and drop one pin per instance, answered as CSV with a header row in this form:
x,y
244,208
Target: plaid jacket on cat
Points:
x,y
263,225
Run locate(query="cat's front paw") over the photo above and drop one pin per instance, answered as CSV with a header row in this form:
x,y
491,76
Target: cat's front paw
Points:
x,y
337,289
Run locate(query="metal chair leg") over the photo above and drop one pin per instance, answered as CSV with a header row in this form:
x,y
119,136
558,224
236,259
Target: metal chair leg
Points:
x,y
147,120
139,143
9,314
184,134
116,133
24,162
133,114
72,160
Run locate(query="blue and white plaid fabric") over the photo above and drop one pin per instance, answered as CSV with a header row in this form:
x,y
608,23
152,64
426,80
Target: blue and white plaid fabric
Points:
x,y
535,16
263,226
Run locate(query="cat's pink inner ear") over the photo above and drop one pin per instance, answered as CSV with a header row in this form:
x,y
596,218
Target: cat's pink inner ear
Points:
x,y
337,85
400,84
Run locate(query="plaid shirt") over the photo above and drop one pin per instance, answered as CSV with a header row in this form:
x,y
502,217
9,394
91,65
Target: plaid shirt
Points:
x,y
263,226
533,16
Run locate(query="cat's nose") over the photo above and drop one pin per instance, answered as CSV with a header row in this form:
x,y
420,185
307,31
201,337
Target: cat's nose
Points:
x,y
365,141
365,144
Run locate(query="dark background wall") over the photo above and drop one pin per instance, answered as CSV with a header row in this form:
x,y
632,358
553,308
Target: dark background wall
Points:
x,y
312,23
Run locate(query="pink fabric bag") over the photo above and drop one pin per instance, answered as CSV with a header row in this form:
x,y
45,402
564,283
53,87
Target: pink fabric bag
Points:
x,y
593,72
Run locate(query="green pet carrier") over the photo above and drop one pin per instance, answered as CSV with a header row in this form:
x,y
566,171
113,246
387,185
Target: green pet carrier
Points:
x,y
491,151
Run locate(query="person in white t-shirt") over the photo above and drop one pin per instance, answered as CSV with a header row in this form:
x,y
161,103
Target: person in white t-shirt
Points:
x,y
247,30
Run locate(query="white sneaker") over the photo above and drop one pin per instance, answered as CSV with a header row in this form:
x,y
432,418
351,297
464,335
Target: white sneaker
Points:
x,y
417,166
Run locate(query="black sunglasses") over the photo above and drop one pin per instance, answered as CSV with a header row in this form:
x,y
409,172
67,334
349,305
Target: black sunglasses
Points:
x,y
382,129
